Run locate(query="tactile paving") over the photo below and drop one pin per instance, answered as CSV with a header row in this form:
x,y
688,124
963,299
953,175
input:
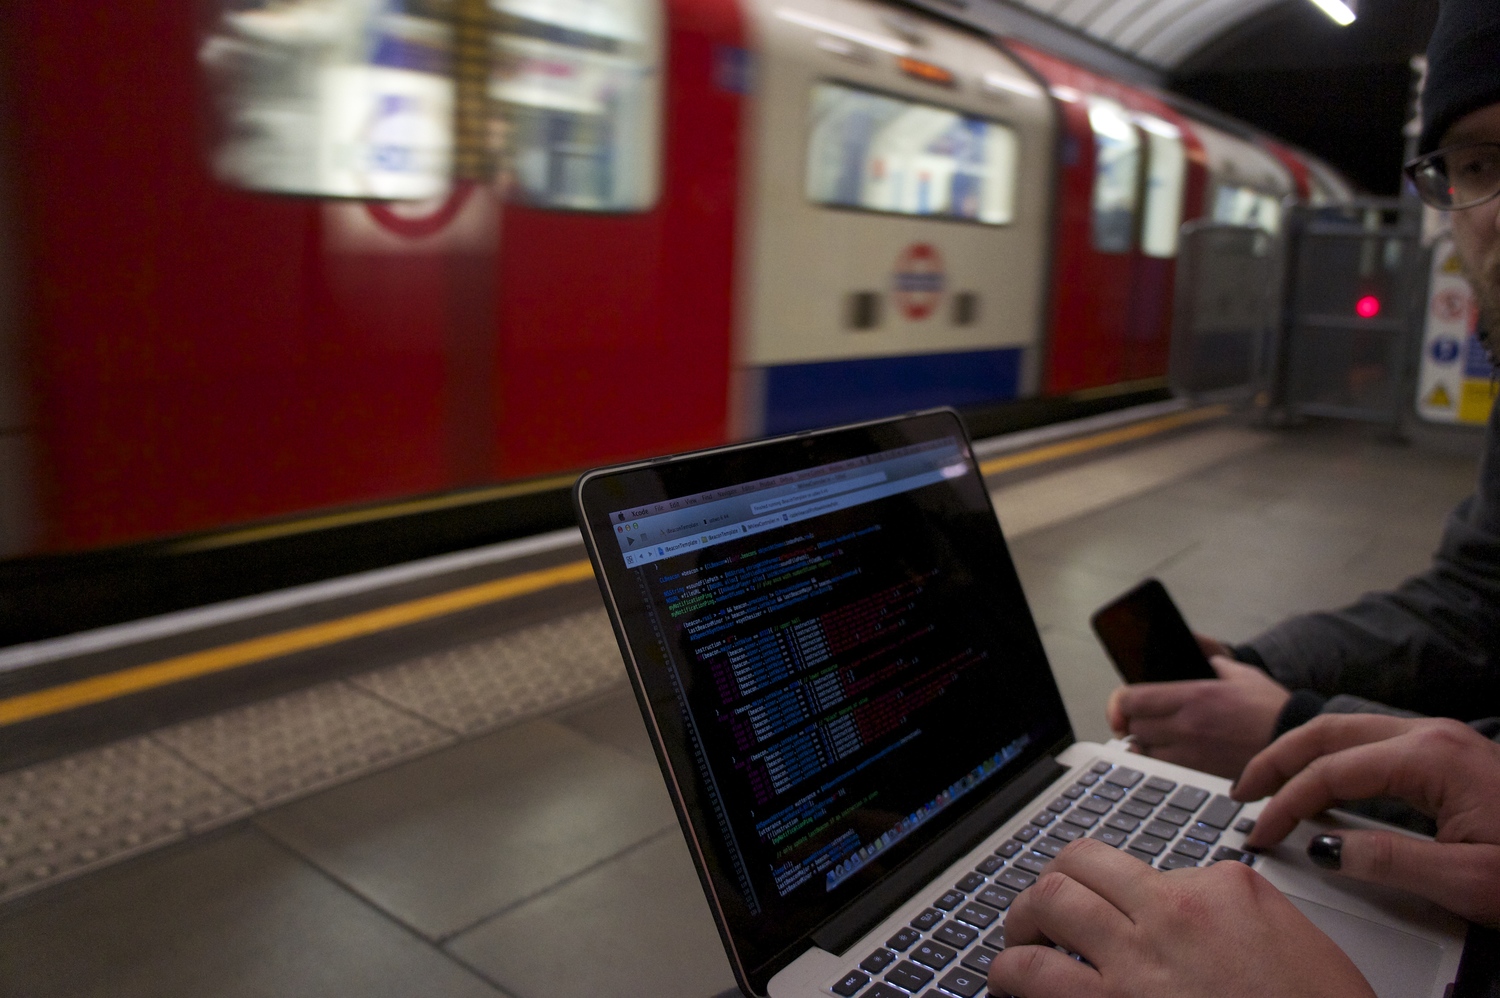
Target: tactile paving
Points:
x,y
298,742
495,682
64,817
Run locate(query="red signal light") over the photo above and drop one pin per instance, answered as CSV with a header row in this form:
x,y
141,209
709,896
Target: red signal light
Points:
x,y
1367,307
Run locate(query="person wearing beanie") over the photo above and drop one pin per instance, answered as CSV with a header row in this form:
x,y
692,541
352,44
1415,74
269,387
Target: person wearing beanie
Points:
x,y
1431,646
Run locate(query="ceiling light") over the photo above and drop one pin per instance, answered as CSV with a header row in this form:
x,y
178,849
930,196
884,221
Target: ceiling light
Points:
x,y
1342,11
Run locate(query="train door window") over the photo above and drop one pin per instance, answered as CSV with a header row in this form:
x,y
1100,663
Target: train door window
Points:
x,y
1236,205
1166,175
1117,164
887,154
578,84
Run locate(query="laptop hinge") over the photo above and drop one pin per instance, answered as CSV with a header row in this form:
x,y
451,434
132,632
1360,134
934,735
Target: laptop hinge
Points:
x,y
845,928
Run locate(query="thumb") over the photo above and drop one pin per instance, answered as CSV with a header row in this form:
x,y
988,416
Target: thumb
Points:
x,y
1460,876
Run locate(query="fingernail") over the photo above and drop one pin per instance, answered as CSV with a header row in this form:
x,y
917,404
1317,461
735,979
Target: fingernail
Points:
x,y
1326,851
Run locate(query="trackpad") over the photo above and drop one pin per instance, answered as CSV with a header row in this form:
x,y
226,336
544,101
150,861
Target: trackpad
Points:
x,y
1396,964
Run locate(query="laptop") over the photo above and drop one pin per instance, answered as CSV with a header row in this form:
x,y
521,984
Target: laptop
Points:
x,y
860,731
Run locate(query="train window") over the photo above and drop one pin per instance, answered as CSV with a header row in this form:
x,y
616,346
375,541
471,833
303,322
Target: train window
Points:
x,y
1166,173
331,100
888,154
1235,205
1117,164
578,85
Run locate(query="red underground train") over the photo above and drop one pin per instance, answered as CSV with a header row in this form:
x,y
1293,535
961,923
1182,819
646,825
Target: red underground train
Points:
x,y
245,283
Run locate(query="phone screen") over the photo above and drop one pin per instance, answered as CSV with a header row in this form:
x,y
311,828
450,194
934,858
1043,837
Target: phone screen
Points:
x,y
1145,635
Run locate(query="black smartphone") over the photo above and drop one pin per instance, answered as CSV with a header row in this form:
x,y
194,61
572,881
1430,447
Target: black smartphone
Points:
x,y
1144,633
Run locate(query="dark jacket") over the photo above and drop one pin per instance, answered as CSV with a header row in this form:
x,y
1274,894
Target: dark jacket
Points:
x,y
1431,646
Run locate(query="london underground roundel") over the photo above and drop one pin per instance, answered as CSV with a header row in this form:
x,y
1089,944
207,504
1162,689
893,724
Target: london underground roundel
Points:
x,y
918,281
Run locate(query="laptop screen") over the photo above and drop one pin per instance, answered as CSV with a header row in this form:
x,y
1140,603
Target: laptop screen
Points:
x,y
836,652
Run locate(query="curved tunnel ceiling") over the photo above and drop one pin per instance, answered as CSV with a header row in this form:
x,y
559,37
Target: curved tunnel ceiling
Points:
x,y
1160,33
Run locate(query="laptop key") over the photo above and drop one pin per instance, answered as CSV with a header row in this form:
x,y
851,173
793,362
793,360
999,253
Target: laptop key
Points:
x,y
1122,822
1060,805
1101,767
1098,805
1110,836
1124,776
903,939
979,958
1189,798
1049,846
969,882
850,983
1245,826
1187,847
1148,844
1175,815
989,865
1009,849
1088,779
1067,832
1043,819
1160,829
1145,796
1220,812
1081,818
927,919
1203,833
1031,863
877,961
1135,809
1075,791
963,982
978,915
1158,783
1175,861
1144,857
1015,880
1108,791
1027,833
909,976
956,935
934,955
1239,856
996,897
950,900
881,990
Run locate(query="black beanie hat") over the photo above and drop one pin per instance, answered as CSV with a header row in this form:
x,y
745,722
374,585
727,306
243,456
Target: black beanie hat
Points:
x,y
1463,66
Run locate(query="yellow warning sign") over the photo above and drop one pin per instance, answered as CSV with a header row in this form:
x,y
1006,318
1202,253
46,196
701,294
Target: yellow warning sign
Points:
x,y
1439,398
1474,404
1453,265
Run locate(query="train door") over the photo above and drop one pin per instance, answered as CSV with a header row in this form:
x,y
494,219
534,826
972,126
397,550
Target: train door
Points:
x,y
1164,172
899,201
615,272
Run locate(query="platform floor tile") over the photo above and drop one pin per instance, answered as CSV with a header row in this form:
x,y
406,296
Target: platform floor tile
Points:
x,y
293,744
444,842
63,818
232,915
638,925
481,686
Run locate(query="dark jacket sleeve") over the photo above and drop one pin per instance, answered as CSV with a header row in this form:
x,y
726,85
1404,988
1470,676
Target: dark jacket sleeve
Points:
x,y
1433,644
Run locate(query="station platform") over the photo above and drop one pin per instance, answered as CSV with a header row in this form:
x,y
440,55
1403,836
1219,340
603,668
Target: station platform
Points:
x,y
465,802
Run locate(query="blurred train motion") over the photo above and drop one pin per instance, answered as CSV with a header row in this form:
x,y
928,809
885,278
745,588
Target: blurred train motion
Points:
x,y
276,257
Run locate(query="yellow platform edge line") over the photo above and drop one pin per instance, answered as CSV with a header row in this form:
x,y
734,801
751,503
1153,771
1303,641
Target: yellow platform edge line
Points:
x,y
137,679
1108,438
95,689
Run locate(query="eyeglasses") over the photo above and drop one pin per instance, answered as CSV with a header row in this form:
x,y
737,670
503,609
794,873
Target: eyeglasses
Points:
x,y
1457,177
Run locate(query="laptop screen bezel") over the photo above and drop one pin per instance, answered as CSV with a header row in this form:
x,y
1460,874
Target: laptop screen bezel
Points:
x,y
600,493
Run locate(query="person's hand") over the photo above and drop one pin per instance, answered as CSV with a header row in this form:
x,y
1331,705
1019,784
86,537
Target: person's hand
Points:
x,y
1444,769
1214,725
1211,647
1222,931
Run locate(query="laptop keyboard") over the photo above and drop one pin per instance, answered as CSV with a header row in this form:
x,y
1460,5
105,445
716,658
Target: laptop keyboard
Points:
x,y
948,947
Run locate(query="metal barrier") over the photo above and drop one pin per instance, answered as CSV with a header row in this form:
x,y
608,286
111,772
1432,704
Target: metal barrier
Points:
x,y
1225,310
1321,320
